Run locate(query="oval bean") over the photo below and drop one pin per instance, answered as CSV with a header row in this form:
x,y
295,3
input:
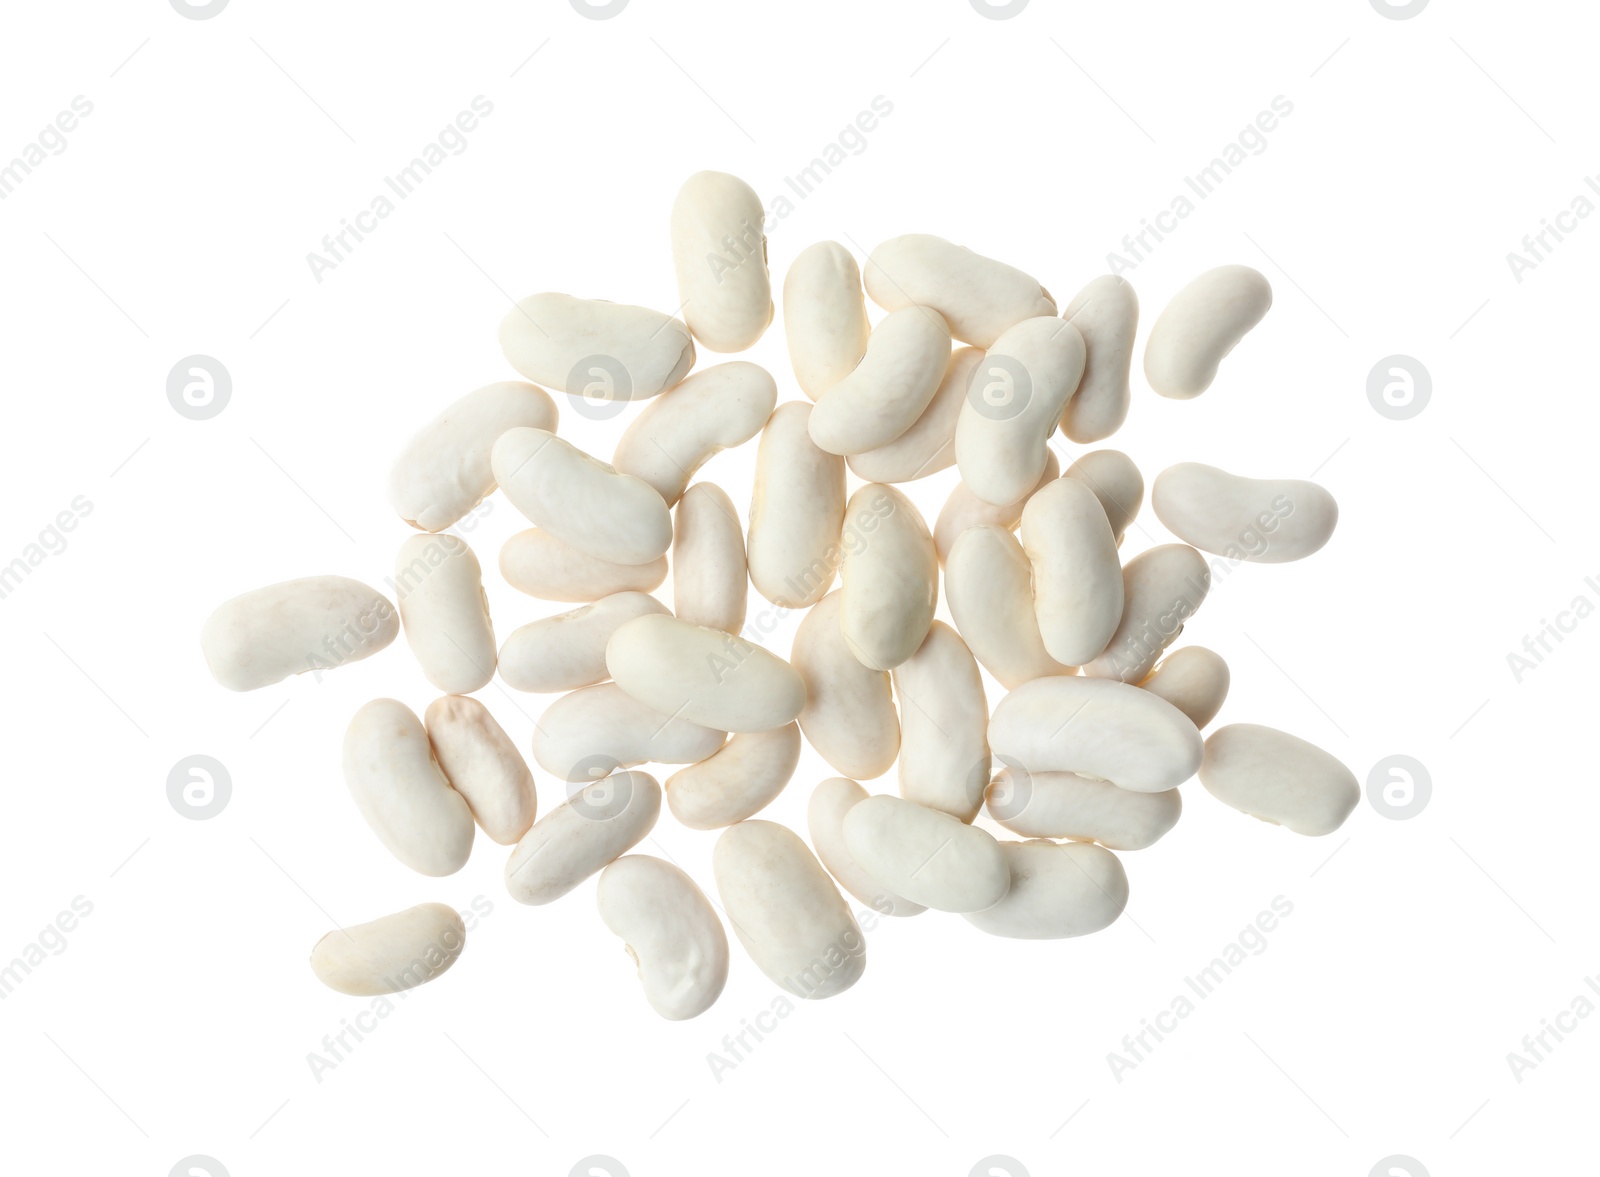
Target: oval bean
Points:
x,y
596,825
1278,778
537,563
1058,889
738,781
824,316
402,793
849,716
979,297
719,408
796,512
928,856
392,953
944,724
1077,578
720,252
1194,680
907,354
601,351
483,765
710,577
1265,521
603,728
314,623
445,612
1200,326
889,578
670,930
1106,314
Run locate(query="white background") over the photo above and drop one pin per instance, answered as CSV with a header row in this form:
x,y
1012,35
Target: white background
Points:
x,y
178,1018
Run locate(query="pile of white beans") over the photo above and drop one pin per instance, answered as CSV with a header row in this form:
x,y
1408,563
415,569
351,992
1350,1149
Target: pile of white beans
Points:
x,y
970,366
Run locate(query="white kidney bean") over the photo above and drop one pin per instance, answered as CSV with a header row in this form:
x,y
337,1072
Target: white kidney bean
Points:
x,y
314,623
1106,314
786,911
1266,521
796,512
1014,402
926,855
889,579
1097,728
1161,589
849,716
1066,805
601,351
907,354
596,825
1058,889
581,500
444,470
719,408
929,446
568,651
670,931
825,814
1278,778
537,563
445,612
988,586
1116,482
710,577
963,509
604,728
740,780
720,252
1077,578
944,725
706,676
1194,680
391,953
401,791
824,316
483,765
979,297
1200,326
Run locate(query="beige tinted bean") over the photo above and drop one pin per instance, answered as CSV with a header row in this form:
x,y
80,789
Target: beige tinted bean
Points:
x,y
706,676
929,446
483,765
1077,578
825,814
979,297
1116,482
944,724
392,953
1194,680
1278,778
1057,890
907,355
1200,326
596,825
581,500
739,781
1014,402
1066,805
602,728
314,623
401,791
444,470
1161,589
670,930
1266,521
786,911
796,512
710,578
445,612
1097,728
537,563
889,578
719,408
929,857
849,716
824,316
720,252
568,651
963,509
988,586
601,351
1106,314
